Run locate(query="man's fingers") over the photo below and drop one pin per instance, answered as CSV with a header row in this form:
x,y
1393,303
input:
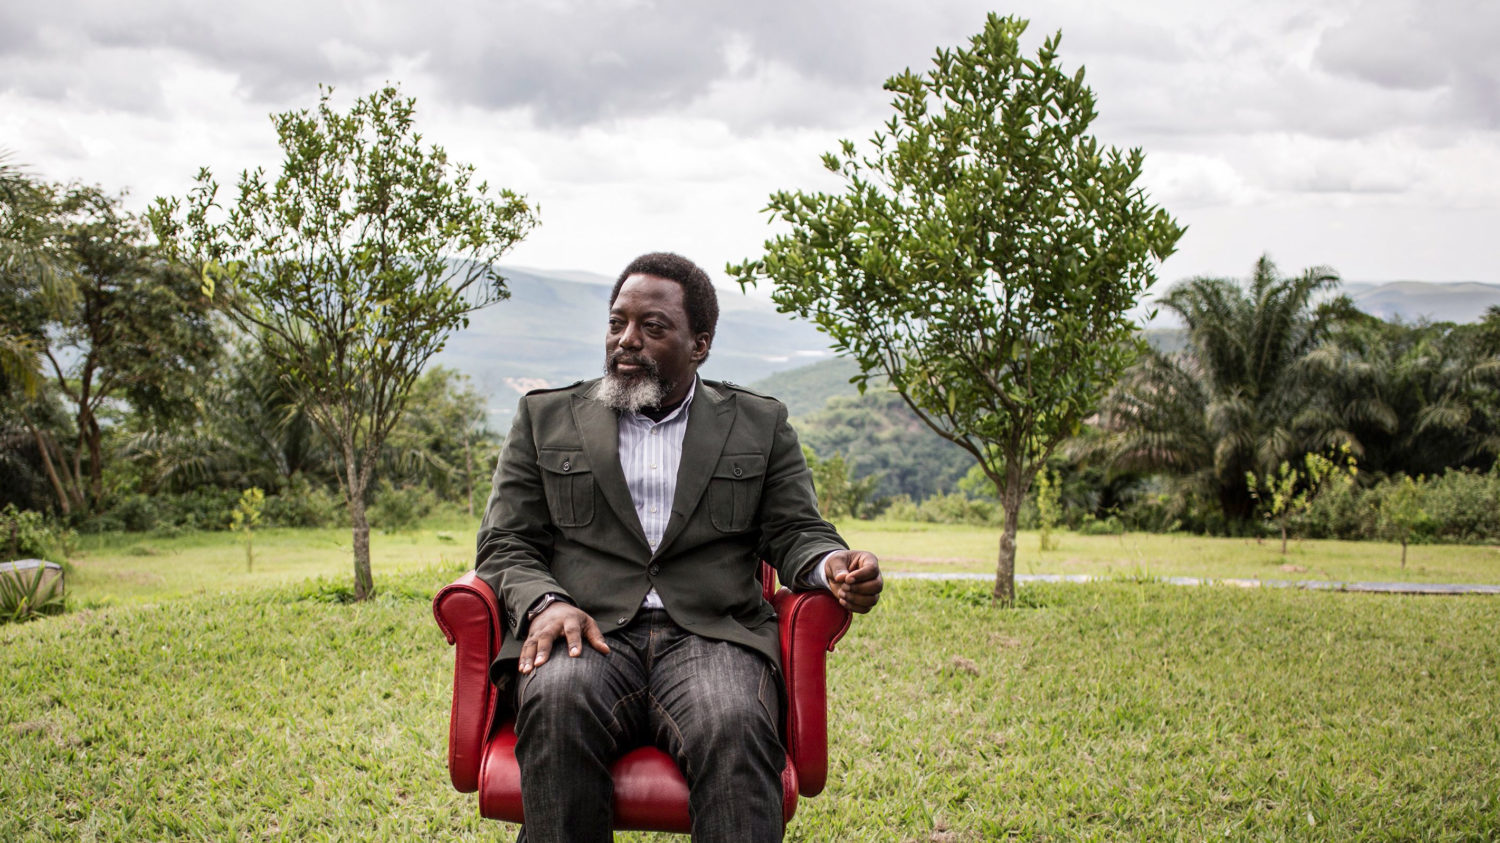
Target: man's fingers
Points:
x,y
536,649
544,639
594,636
575,637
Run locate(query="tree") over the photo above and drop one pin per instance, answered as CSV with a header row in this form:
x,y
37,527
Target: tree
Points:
x,y
26,215
839,494
1290,491
1400,512
982,258
245,517
351,268
1413,399
1225,407
110,321
442,440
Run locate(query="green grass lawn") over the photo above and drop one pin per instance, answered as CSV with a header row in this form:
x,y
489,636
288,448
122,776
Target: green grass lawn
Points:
x,y
125,568
1108,711
136,567
907,546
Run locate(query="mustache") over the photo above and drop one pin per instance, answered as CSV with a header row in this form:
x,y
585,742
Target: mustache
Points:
x,y
621,356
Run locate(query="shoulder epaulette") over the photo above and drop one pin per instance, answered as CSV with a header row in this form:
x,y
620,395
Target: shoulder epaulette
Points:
x,y
745,389
546,389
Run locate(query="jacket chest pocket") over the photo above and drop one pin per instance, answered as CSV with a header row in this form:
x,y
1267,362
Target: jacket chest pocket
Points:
x,y
734,491
569,485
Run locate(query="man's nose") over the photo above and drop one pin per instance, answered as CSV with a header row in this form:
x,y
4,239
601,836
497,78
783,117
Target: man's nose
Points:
x,y
631,336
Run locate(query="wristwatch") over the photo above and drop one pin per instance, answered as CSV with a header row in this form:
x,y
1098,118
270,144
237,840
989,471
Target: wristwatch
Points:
x,y
543,602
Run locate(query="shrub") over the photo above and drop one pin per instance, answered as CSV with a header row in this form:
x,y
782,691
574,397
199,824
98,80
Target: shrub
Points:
x,y
25,534
1109,526
301,504
400,508
952,508
1461,506
1343,512
199,509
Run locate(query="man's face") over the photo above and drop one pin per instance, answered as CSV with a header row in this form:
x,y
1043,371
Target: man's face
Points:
x,y
650,349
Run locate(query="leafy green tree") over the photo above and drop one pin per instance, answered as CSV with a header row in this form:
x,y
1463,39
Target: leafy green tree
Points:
x,y
26,215
1401,512
113,325
257,435
839,494
982,257
1412,399
1225,407
351,268
1291,491
442,440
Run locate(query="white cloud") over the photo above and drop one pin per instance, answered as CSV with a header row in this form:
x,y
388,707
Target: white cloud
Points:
x,y
1349,132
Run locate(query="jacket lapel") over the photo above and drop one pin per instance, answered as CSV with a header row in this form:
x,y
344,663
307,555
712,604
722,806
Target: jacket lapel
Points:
x,y
709,420
600,431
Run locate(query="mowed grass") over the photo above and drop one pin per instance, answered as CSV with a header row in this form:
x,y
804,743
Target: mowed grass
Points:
x,y
1107,711
120,568
909,546
123,568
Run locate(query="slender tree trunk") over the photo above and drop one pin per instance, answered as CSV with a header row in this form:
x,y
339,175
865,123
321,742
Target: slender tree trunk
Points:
x,y
364,581
68,475
1005,570
1403,553
57,486
1283,538
96,463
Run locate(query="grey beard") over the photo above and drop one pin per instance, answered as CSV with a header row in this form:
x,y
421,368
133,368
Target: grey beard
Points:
x,y
631,395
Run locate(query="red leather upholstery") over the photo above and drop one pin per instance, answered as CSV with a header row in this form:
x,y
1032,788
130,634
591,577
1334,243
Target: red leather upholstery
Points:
x,y
650,793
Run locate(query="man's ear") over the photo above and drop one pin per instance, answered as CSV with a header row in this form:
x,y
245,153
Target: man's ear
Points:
x,y
701,344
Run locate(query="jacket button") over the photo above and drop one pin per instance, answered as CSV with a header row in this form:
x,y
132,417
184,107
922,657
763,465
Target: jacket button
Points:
x,y
621,621
567,465
654,570
738,471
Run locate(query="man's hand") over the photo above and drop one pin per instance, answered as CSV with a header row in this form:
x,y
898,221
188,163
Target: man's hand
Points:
x,y
560,620
854,578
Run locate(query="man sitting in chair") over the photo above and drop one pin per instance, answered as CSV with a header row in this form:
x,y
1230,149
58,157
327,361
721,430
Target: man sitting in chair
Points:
x,y
623,537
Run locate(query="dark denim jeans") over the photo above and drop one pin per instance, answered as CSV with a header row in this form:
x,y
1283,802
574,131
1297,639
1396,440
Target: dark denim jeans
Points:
x,y
713,706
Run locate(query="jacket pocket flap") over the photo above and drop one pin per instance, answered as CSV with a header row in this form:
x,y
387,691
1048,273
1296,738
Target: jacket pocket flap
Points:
x,y
740,466
558,461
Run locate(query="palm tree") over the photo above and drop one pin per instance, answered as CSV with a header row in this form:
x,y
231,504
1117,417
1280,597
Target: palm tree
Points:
x,y
1409,399
1227,404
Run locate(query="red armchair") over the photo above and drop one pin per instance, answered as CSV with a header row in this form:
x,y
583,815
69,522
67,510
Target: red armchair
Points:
x,y
650,793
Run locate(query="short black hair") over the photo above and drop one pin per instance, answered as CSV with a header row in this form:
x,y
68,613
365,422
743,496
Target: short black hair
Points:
x,y
698,295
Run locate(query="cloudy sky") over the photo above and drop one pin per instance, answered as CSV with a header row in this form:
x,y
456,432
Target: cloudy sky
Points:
x,y
1362,134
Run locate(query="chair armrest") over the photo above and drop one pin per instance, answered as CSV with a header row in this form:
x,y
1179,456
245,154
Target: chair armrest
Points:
x,y
470,618
812,622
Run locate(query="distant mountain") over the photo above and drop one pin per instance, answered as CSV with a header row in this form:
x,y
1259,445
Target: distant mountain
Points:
x,y
1411,301
1408,301
550,332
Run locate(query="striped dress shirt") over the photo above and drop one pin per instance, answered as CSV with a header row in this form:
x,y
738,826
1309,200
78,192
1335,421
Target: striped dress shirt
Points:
x,y
650,454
